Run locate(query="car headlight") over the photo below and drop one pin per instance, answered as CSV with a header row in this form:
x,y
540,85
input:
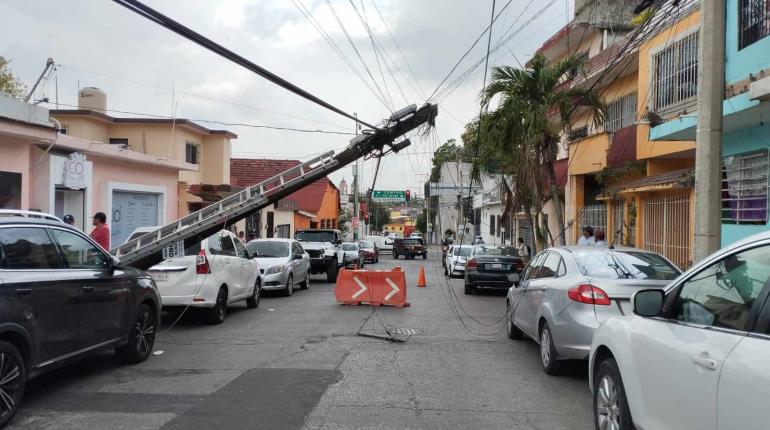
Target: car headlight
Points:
x,y
274,269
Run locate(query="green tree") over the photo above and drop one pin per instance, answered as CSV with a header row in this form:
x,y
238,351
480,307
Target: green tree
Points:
x,y
422,222
449,151
524,131
379,215
10,85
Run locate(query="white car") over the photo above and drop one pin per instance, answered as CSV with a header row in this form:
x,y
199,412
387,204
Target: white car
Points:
x,y
415,236
692,356
210,275
384,244
456,257
283,264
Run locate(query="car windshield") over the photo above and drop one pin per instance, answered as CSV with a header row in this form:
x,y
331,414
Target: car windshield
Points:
x,y
350,247
268,248
412,242
314,236
614,264
495,250
463,251
368,244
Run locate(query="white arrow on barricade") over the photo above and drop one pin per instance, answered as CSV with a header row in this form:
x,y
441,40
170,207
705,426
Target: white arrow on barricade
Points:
x,y
360,284
394,287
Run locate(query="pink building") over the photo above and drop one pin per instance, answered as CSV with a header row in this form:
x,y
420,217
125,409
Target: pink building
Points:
x,y
42,169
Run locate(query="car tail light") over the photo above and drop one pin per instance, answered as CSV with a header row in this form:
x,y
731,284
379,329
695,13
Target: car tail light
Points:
x,y
202,263
471,264
588,294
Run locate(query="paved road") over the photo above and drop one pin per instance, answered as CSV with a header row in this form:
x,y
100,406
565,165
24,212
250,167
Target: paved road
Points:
x,y
296,362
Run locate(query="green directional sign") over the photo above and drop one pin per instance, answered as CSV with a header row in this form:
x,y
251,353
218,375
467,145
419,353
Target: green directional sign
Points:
x,y
388,196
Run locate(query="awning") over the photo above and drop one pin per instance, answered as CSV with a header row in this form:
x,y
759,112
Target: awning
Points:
x,y
675,179
623,147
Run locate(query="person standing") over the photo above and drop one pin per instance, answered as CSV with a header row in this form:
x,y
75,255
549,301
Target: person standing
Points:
x,y
69,219
600,238
101,233
523,248
587,236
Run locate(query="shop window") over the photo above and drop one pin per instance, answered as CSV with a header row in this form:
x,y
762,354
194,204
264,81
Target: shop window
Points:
x,y
119,141
10,190
191,152
754,16
675,74
744,188
621,113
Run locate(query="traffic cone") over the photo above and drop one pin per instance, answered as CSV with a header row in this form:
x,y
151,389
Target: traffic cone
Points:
x,y
421,279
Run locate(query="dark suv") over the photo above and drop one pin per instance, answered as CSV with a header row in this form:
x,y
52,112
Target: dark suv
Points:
x,y
63,297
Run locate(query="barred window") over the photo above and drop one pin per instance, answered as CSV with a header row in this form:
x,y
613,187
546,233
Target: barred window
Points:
x,y
744,188
754,21
578,133
675,73
621,113
191,152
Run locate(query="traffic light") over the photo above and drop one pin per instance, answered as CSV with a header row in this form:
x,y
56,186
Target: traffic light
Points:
x,y
369,194
408,195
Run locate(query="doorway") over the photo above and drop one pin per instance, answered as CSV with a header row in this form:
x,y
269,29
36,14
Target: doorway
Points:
x,y
71,202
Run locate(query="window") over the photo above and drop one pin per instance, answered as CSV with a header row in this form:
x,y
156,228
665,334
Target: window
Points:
x,y
119,141
10,190
675,73
578,133
532,271
492,225
754,21
605,264
240,250
268,249
621,113
227,245
550,266
65,129
191,152
28,248
78,252
723,294
744,188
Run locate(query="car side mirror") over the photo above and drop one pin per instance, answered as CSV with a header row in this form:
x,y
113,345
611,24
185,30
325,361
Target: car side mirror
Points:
x,y
113,263
338,241
648,303
297,257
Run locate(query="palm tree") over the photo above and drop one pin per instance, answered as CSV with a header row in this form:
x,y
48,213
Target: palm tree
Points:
x,y
532,113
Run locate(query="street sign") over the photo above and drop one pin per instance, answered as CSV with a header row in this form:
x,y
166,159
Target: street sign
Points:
x,y
354,221
388,196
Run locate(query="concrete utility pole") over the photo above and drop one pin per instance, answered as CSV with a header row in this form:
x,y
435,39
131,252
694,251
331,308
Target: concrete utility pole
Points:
x,y
708,138
356,208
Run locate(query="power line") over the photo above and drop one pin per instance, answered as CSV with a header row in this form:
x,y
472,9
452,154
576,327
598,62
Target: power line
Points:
x,y
164,21
232,124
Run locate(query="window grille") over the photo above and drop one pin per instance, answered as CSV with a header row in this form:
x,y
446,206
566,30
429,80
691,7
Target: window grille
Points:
x,y
754,16
675,74
621,113
578,133
191,153
667,226
744,188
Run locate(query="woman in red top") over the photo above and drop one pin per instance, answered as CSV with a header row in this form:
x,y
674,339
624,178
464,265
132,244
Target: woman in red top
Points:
x,y
101,233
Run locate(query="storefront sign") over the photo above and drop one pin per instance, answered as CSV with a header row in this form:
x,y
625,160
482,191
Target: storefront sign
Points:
x,y
74,171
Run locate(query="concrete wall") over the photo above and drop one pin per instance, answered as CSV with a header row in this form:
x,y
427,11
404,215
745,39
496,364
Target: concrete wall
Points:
x,y
15,158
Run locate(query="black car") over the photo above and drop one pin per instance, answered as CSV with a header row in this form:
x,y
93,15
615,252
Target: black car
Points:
x,y
64,297
493,267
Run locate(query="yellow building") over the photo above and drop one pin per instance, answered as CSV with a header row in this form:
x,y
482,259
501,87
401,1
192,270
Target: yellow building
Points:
x,y
205,152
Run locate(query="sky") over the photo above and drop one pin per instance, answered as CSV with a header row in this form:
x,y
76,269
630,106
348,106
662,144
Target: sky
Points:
x,y
146,69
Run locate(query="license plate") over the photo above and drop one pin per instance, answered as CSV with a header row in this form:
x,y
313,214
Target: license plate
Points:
x,y
174,249
159,276
513,277
495,266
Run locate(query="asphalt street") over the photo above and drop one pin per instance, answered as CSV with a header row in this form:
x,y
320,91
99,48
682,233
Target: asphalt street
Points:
x,y
297,362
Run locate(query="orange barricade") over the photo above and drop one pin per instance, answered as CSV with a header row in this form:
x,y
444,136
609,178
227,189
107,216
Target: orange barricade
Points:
x,y
375,287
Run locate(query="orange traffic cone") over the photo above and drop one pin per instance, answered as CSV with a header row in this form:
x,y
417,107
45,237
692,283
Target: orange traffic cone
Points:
x,y
421,279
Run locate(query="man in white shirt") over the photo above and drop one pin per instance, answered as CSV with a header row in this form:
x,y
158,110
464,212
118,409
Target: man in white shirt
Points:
x,y
587,236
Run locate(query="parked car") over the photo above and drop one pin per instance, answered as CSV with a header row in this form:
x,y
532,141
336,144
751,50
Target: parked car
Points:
x,y
283,264
694,356
139,232
65,298
456,257
384,244
565,293
371,252
323,246
492,267
210,275
353,255
415,235
409,248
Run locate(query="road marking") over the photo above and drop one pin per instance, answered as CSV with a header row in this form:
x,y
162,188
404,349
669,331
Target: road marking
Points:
x,y
360,284
394,287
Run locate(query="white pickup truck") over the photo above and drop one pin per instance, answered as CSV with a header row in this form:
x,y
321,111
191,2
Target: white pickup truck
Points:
x,y
323,246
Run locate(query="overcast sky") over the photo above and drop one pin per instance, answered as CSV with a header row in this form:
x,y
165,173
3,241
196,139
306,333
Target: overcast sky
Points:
x,y
99,43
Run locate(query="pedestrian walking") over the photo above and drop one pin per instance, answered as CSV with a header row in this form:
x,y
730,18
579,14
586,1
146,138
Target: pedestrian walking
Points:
x,y
523,248
587,236
600,238
101,233
69,219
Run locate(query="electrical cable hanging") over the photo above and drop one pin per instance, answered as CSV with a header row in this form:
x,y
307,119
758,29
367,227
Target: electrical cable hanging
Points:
x,y
170,24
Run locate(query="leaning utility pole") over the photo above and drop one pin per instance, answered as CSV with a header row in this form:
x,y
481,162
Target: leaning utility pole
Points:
x,y
708,138
356,208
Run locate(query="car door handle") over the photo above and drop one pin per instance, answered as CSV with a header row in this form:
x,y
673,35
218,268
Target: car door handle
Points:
x,y
707,363
24,292
87,288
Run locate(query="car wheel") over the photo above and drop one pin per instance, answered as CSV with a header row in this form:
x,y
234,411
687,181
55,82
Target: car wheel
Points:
x,y
611,409
468,289
424,256
377,259
13,380
446,271
548,357
253,301
395,255
141,337
306,283
289,289
331,271
216,314
511,330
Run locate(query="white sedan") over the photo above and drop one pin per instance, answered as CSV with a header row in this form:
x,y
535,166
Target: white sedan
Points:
x,y
694,356
456,257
